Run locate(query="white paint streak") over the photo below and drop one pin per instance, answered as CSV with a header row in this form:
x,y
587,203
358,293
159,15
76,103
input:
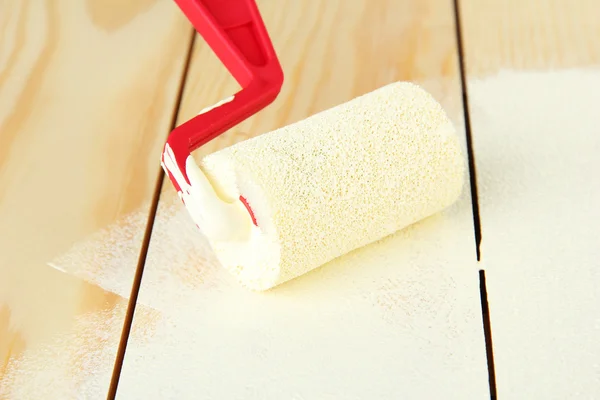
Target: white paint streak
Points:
x,y
218,104
56,267
109,257
74,365
537,147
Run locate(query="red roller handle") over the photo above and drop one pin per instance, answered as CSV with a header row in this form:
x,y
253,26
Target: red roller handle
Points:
x,y
236,33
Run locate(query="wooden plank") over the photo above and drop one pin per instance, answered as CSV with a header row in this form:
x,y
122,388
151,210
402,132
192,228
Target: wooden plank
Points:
x,y
533,71
532,34
397,319
87,92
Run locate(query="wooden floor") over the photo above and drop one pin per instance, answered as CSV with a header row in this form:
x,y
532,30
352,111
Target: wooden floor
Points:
x,y
495,297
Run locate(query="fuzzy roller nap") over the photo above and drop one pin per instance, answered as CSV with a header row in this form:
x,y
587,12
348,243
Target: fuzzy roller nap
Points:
x,y
329,184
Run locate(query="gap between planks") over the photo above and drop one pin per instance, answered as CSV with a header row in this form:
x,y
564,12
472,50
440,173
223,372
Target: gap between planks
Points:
x,y
139,271
487,331
485,309
470,153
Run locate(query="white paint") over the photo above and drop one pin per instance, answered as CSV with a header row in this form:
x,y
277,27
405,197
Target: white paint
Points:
x,y
218,104
218,219
537,148
397,319
57,267
108,258
413,330
76,364
382,322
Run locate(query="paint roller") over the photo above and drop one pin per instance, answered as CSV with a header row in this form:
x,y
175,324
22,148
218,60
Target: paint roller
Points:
x,y
281,204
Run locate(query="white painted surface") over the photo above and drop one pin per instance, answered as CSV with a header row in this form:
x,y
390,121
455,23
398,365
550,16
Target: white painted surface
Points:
x,y
537,148
397,319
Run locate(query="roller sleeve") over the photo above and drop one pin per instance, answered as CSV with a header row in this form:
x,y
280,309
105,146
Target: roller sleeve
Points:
x,y
339,180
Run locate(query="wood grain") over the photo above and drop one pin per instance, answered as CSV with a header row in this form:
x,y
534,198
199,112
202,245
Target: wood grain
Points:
x,y
86,97
533,70
532,34
399,319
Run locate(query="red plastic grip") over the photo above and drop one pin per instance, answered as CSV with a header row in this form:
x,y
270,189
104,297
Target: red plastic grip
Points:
x,y
236,33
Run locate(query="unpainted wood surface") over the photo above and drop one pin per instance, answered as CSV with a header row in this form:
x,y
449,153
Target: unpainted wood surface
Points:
x,y
533,70
530,34
87,90
397,319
